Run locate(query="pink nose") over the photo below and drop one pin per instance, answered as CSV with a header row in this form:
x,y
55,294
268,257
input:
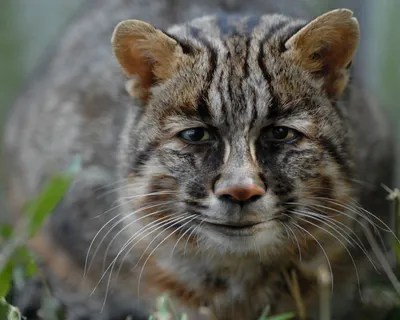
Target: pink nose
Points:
x,y
241,192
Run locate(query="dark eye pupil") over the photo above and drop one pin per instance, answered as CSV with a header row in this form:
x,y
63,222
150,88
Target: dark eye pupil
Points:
x,y
195,134
280,133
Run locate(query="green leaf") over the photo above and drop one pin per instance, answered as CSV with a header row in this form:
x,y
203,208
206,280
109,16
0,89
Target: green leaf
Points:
x,y
285,316
6,231
30,269
23,257
8,312
40,208
397,249
6,276
265,313
3,308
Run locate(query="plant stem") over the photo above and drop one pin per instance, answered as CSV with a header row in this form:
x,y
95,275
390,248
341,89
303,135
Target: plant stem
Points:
x,y
324,281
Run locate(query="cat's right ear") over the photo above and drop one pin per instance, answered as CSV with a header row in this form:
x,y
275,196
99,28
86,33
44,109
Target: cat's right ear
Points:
x,y
145,54
325,47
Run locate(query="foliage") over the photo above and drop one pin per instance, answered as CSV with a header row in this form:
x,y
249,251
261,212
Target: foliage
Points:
x,y
166,311
8,312
16,261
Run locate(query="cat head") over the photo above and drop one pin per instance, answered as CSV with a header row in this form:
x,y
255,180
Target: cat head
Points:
x,y
240,142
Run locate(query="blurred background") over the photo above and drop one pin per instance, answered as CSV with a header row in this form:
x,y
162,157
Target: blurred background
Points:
x,y
29,28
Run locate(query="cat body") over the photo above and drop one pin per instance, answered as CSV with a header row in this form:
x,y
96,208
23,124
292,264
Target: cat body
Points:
x,y
232,170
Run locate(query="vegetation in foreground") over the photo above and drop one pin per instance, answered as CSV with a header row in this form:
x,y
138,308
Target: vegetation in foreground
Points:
x,y
17,265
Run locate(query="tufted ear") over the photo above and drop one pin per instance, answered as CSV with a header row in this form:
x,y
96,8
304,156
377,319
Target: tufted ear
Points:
x,y
145,54
326,47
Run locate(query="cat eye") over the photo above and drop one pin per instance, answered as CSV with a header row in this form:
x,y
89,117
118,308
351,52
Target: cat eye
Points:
x,y
281,134
196,135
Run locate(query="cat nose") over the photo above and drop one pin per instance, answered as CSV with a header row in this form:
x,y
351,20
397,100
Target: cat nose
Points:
x,y
241,190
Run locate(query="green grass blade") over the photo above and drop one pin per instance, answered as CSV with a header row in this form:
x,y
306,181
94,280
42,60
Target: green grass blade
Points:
x,y
40,208
285,316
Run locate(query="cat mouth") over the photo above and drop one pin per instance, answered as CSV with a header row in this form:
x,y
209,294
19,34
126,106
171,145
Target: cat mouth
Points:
x,y
234,229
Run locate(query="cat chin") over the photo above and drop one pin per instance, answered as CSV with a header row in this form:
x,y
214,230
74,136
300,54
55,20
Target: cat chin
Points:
x,y
265,240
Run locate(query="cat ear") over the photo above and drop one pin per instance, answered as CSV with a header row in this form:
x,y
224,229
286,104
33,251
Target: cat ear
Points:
x,y
145,54
326,47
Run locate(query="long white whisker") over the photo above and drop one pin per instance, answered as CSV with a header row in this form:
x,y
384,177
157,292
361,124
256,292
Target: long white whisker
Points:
x,y
344,246
176,244
157,224
295,239
353,218
383,260
332,223
129,199
319,244
144,229
129,186
340,213
358,212
166,222
121,250
128,225
187,240
166,238
111,184
112,227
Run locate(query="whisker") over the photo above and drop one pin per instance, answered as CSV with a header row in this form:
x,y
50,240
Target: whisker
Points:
x,y
333,221
295,238
319,244
129,199
354,210
344,246
111,184
334,224
159,193
108,232
127,244
108,284
165,239
177,221
136,196
166,221
193,232
126,227
316,206
383,260
173,249
157,224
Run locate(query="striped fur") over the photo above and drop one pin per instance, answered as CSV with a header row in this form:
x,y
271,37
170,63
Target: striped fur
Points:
x,y
237,75
232,76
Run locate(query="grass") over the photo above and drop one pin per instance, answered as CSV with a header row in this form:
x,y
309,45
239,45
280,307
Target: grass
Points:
x,y
17,264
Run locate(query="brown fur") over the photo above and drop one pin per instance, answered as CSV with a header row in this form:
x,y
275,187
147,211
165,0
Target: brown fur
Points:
x,y
237,77
145,52
326,46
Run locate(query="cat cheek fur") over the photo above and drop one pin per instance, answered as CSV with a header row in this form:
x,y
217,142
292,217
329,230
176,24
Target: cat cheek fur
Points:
x,y
238,83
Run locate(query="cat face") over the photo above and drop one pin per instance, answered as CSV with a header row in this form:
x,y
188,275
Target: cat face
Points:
x,y
239,145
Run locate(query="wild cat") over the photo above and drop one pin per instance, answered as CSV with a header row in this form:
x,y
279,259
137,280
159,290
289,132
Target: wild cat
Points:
x,y
238,168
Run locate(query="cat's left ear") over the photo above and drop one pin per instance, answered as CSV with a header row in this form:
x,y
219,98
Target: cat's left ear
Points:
x,y
325,47
146,55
